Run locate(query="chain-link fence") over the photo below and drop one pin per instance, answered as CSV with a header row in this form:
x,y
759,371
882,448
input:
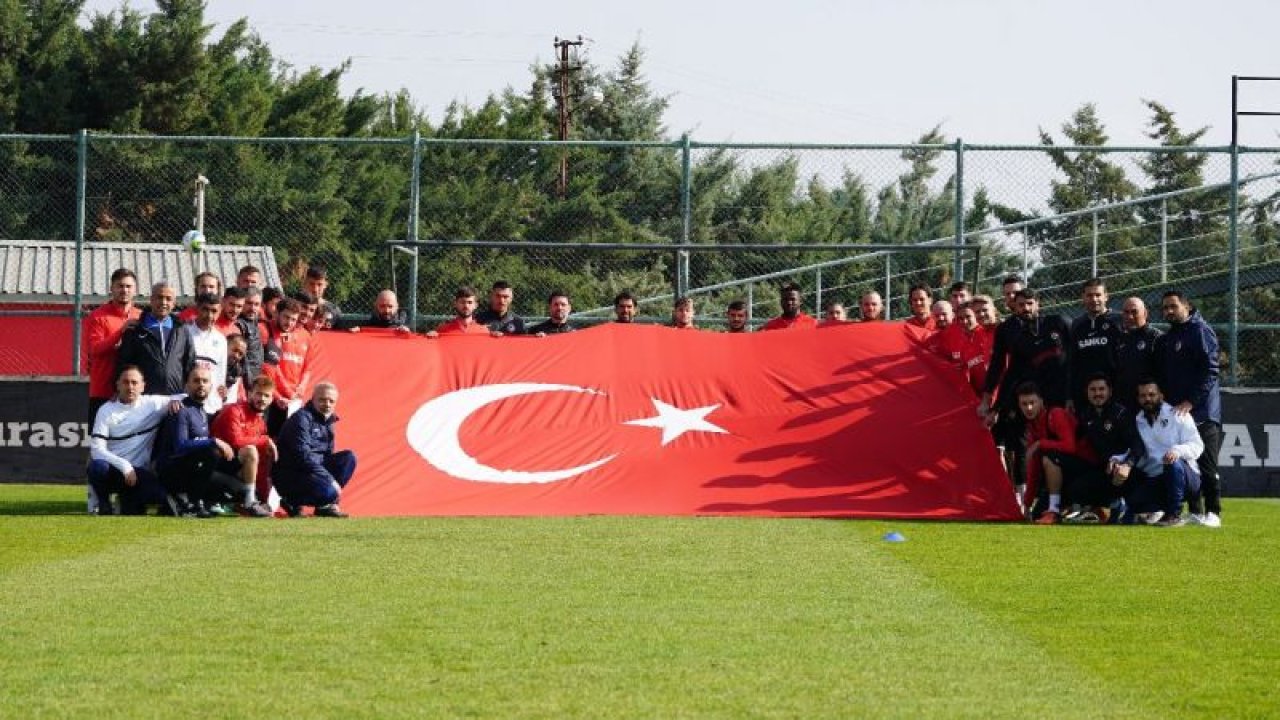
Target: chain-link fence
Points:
x,y
717,222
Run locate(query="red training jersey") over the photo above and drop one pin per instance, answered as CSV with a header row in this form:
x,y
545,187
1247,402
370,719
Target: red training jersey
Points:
x,y
456,327
103,330
239,425
799,322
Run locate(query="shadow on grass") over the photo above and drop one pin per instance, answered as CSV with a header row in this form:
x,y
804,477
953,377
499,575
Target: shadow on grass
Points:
x,y
41,507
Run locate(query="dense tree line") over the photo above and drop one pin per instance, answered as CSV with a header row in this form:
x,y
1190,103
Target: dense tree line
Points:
x,y
164,73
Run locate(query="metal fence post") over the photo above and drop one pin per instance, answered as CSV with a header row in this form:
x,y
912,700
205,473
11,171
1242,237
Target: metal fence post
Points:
x,y
415,199
1093,254
817,292
751,303
959,220
77,313
1233,257
1164,241
888,285
686,215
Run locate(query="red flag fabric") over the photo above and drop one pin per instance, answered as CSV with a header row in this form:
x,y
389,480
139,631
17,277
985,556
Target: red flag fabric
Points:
x,y
858,420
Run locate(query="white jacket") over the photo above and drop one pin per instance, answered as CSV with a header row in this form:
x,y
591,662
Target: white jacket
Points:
x,y
1169,431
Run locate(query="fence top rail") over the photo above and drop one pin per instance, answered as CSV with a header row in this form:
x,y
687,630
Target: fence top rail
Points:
x,y
1083,212
675,245
677,143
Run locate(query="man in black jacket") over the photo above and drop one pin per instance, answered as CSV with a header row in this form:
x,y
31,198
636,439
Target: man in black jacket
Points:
x,y
1135,351
1094,337
158,344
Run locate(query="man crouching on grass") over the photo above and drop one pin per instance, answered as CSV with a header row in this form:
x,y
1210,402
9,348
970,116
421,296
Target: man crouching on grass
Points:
x,y
308,471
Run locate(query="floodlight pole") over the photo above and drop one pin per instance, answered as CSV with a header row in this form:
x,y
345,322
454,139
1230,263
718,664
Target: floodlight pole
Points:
x,y
201,183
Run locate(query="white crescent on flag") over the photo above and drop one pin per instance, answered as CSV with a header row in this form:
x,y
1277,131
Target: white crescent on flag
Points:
x,y
433,433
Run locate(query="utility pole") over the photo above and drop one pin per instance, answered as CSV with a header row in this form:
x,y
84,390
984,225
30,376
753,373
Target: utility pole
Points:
x,y
560,92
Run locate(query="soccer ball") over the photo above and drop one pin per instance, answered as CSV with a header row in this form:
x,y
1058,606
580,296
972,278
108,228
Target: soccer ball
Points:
x,y
193,241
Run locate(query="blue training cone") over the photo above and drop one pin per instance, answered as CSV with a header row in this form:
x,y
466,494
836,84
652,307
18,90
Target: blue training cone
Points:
x,y
894,536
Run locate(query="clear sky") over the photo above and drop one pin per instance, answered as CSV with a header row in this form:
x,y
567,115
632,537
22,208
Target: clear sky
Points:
x,y
817,71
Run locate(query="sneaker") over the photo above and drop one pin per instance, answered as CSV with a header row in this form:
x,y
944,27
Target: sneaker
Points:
x,y
1118,510
1090,516
1150,518
1211,519
290,510
1172,521
253,510
331,510
1049,517
201,510
218,509
180,507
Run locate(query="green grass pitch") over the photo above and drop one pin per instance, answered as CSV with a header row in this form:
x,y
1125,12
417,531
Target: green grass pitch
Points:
x,y
604,617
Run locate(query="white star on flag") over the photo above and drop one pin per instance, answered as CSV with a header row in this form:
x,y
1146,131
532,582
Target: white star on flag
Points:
x,y
676,422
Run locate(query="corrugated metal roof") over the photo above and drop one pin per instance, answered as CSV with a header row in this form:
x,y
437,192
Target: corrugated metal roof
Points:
x,y
46,270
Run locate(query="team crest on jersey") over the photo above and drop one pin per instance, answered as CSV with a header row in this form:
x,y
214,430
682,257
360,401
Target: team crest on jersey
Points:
x,y
1054,336
1107,426
1178,346
1164,422
1142,346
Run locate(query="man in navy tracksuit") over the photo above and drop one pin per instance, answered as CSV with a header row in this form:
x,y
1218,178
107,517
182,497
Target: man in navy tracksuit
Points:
x,y
1187,367
308,471
186,454
1135,352
1094,339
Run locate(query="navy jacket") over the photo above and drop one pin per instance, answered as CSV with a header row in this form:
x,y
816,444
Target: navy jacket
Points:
x,y
304,442
252,350
1135,359
509,324
182,433
164,362
1187,367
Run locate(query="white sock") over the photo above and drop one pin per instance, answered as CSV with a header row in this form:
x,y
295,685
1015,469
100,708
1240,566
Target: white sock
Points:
x,y
1055,499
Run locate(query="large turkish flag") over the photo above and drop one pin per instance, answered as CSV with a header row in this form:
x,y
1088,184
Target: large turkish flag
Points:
x,y
849,421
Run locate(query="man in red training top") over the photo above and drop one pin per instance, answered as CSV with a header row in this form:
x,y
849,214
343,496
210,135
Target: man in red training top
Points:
x,y
243,426
1048,433
287,357
464,321
792,317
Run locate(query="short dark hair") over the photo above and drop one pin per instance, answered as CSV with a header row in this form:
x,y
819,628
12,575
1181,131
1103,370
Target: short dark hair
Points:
x,y
737,305
126,368
1096,376
555,294
921,287
208,274
271,293
624,295
1010,280
303,297
1093,282
501,285
790,287
317,272
959,285
238,293
1147,380
207,299
682,301
248,270
288,304
121,274
1027,387
464,291
236,337
1182,297
1026,294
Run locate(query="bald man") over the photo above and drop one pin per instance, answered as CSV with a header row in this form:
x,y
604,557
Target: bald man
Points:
x,y
871,305
386,314
1135,352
